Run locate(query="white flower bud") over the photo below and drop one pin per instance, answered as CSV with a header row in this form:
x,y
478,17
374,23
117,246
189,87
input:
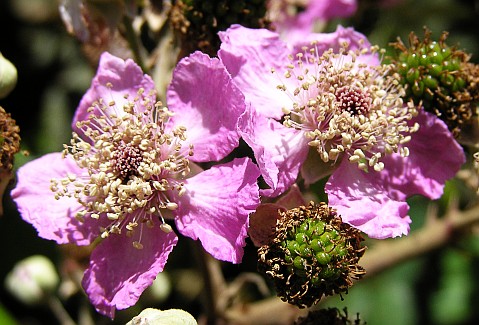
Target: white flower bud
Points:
x,y
160,288
151,316
31,279
8,76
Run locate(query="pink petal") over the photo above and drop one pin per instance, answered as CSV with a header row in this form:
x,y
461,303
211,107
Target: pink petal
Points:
x,y
125,77
53,219
279,151
119,273
375,202
216,206
334,8
205,101
434,157
364,203
249,55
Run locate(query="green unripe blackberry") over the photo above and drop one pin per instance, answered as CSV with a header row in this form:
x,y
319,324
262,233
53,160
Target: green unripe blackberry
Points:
x,y
198,22
438,77
313,253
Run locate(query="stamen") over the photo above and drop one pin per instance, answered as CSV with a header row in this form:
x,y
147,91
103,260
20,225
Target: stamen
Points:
x,y
342,106
132,165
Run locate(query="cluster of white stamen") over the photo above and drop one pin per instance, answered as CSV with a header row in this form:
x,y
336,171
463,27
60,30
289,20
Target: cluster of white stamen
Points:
x,y
347,108
132,165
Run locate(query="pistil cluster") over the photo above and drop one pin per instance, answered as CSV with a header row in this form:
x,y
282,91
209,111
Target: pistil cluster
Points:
x,y
133,165
346,107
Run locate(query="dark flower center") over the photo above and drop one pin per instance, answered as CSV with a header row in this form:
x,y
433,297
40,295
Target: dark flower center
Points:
x,y
126,160
353,100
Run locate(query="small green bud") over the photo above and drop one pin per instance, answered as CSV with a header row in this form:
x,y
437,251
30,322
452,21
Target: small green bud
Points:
x,y
431,82
323,258
293,246
435,69
32,279
316,245
8,76
412,75
418,88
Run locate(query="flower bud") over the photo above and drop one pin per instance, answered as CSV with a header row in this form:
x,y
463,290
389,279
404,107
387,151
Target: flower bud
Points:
x,y
438,77
8,76
32,279
151,316
313,253
160,289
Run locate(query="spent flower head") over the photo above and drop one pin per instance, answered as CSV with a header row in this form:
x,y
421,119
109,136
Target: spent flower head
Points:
x,y
439,77
313,253
131,166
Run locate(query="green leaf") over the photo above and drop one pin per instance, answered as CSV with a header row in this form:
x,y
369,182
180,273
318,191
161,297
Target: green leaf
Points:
x,y
5,317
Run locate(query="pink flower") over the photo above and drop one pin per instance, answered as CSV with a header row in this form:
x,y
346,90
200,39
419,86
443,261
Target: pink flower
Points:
x,y
375,202
293,23
131,165
325,105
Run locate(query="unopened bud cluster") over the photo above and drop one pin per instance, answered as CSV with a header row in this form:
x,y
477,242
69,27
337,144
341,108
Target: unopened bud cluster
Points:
x,y
8,76
439,77
313,253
